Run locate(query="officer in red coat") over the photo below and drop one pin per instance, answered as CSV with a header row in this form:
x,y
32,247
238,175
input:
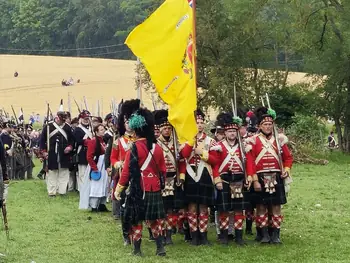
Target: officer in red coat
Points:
x,y
144,171
268,168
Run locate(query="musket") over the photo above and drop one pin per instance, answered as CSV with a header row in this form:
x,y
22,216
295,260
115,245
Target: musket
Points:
x,y
69,106
47,128
85,102
234,110
279,149
176,157
76,103
4,217
153,102
14,113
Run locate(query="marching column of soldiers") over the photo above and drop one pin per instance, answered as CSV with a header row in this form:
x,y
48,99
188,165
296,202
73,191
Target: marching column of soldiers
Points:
x,y
242,174
18,145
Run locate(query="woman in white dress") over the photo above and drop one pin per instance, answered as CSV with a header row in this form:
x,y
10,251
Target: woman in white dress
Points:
x,y
95,188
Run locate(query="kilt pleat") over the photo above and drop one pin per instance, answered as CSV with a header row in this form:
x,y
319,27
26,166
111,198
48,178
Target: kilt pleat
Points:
x,y
224,202
202,192
154,207
176,201
265,198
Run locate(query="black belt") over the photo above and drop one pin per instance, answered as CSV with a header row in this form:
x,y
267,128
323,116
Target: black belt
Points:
x,y
230,177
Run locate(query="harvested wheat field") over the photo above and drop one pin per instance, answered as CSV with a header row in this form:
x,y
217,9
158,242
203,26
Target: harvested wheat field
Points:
x,y
40,79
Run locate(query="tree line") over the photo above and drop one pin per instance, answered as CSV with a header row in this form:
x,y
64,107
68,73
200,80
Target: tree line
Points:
x,y
252,44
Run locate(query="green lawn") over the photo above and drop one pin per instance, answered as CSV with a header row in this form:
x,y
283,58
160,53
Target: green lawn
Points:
x,y
47,230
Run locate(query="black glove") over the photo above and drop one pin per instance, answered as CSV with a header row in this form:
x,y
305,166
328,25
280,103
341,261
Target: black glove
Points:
x,y
1,203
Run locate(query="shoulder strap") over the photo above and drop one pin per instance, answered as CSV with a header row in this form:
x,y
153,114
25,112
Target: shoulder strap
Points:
x,y
148,159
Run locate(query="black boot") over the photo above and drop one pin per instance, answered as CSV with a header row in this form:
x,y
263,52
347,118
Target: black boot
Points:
x,y
160,247
103,208
204,239
195,238
239,237
275,238
168,240
187,235
270,230
265,236
151,238
137,248
248,227
224,237
174,230
258,234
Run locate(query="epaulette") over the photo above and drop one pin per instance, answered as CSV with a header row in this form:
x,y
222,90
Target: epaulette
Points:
x,y
283,139
249,142
216,148
252,139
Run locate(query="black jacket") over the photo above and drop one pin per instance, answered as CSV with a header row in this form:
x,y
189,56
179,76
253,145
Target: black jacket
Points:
x,y
57,142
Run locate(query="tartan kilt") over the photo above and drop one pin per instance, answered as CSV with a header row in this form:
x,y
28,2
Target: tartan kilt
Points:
x,y
154,208
276,198
176,201
224,202
201,193
250,198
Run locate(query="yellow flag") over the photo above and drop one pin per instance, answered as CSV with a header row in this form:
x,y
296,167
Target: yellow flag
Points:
x,y
165,46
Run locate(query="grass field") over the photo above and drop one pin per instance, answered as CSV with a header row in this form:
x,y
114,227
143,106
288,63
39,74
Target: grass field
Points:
x,y
54,230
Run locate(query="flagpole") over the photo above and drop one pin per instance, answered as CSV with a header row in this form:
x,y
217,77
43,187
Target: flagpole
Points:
x,y
194,43
139,90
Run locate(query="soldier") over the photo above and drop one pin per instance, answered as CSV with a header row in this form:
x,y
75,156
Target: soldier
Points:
x,y
199,189
144,171
109,121
267,170
156,126
7,143
28,151
109,138
120,147
82,134
56,145
173,195
249,195
18,151
230,170
4,180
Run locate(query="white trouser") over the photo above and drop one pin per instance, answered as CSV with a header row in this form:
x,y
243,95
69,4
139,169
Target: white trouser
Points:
x,y
57,181
81,175
72,179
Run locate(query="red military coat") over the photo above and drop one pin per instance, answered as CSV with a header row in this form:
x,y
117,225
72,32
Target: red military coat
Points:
x,y
149,173
190,159
229,159
120,147
262,155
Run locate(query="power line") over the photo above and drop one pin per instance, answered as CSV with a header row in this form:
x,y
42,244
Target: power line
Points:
x,y
59,50
106,53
